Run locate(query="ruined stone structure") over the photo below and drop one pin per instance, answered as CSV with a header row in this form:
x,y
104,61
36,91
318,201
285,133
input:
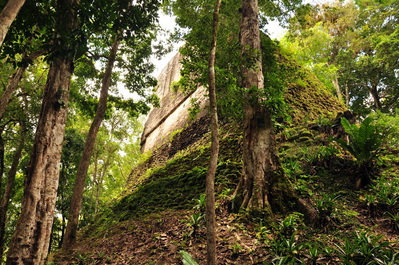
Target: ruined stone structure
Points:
x,y
308,98
172,113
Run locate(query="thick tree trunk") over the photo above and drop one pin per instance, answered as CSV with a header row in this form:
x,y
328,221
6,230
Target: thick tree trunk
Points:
x,y
210,176
258,143
30,242
8,15
9,189
76,201
263,188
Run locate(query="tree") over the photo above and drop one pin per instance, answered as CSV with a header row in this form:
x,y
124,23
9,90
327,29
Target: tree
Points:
x,y
22,112
8,15
10,187
129,14
273,192
14,81
320,37
261,166
76,201
210,176
351,46
30,242
375,66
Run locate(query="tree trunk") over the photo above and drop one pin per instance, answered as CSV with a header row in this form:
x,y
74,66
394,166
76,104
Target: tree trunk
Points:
x,y
30,242
8,15
337,88
210,176
374,93
259,154
76,201
263,188
2,149
346,95
9,189
13,83
100,183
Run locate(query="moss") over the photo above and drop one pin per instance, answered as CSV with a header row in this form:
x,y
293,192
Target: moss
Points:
x,y
174,183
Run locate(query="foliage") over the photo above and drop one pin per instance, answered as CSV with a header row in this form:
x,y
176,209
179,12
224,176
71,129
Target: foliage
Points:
x,y
363,249
388,125
197,218
325,205
350,45
364,141
195,23
187,259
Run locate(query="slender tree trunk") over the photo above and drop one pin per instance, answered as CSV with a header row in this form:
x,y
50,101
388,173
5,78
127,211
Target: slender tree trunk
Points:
x,y
1,159
374,93
9,189
346,95
13,83
337,87
95,174
100,182
30,242
8,15
76,201
210,176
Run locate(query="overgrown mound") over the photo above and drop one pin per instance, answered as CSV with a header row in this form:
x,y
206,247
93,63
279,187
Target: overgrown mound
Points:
x,y
306,98
154,219
160,218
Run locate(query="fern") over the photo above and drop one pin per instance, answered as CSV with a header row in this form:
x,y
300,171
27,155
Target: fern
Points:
x,y
364,140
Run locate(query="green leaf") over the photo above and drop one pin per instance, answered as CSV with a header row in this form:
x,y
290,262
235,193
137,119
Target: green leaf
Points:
x,y
187,258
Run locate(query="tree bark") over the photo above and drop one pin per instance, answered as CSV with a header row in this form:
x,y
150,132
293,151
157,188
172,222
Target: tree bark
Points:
x,y
30,242
9,189
77,196
210,176
8,15
2,149
374,93
347,95
259,154
337,88
263,188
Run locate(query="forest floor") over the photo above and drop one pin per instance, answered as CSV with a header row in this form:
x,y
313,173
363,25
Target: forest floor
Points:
x,y
157,238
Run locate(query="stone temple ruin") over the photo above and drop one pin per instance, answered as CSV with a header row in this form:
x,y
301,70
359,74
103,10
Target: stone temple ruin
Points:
x,y
172,113
307,97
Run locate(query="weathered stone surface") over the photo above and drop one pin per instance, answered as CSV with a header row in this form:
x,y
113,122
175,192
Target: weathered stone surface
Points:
x,y
172,113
